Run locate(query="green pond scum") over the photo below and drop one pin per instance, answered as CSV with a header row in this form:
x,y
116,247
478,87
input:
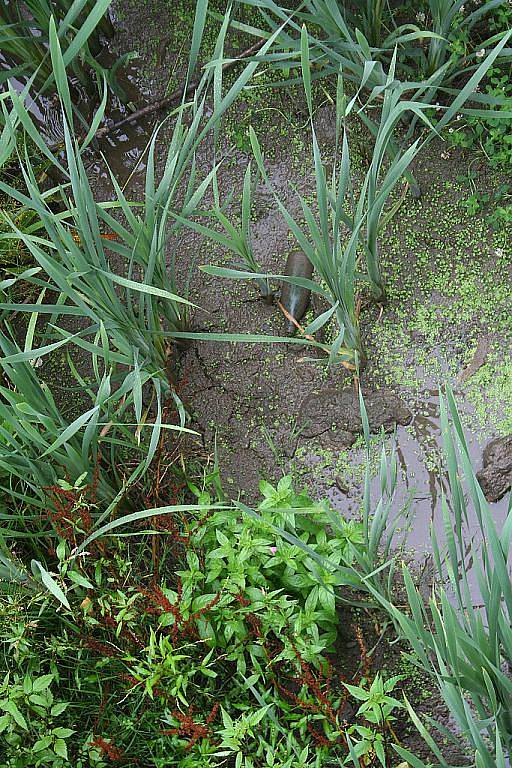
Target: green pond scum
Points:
x,y
446,292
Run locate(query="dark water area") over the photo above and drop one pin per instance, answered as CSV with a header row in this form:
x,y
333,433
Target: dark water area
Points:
x,y
121,149
422,483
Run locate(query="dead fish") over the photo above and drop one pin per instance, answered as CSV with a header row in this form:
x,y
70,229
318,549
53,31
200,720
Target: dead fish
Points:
x,y
294,298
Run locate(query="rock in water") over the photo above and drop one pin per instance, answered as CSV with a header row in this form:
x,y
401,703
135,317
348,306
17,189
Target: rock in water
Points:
x,y
495,477
338,411
294,298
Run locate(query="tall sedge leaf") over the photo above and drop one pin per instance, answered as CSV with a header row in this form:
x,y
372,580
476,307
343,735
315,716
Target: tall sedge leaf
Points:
x,y
59,71
197,35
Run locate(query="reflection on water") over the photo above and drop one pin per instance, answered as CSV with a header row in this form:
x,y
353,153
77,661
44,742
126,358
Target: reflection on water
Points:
x,y
122,149
422,478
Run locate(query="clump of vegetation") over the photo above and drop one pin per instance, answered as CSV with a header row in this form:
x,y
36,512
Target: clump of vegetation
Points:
x,y
487,132
243,604
438,44
236,238
25,30
146,618
346,216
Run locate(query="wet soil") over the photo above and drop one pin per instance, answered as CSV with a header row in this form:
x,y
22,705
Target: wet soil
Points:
x,y
251,399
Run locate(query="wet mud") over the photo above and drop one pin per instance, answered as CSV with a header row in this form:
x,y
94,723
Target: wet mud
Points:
x,y
269,409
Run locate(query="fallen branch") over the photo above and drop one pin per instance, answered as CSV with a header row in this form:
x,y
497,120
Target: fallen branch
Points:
x,y
174,98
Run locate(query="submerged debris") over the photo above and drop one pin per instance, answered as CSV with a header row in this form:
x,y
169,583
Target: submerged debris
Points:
x,y
294,298
495,477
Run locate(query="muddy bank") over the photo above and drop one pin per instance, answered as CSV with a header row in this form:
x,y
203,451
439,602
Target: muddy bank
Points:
x,y
448,275
250,397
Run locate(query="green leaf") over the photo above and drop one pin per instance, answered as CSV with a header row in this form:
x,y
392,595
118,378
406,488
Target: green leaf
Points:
x,y
306,67
142,515
63,733
80,580
50,583
42,683
71,430
60,748
58,709
11,708
42,743
59,71
356,692
197,35
145,289
98,10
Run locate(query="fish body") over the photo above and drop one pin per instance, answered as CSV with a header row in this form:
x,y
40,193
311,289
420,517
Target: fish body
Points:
x,y
294,298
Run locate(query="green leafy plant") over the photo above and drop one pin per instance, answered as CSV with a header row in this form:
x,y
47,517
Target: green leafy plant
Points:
x,y
335,261
493,205
366,745
379,189
337,38
237,604
434,47
29,721
370,741
37,440
377,705
139,309
293,563
330,243
369,568
370,20
452,52
486,132
236,238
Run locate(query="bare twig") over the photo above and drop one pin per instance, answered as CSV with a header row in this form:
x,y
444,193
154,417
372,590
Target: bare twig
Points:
x,y
174,98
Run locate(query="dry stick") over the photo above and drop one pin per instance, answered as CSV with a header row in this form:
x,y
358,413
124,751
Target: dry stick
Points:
x,y
175,97
295,323
299,327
